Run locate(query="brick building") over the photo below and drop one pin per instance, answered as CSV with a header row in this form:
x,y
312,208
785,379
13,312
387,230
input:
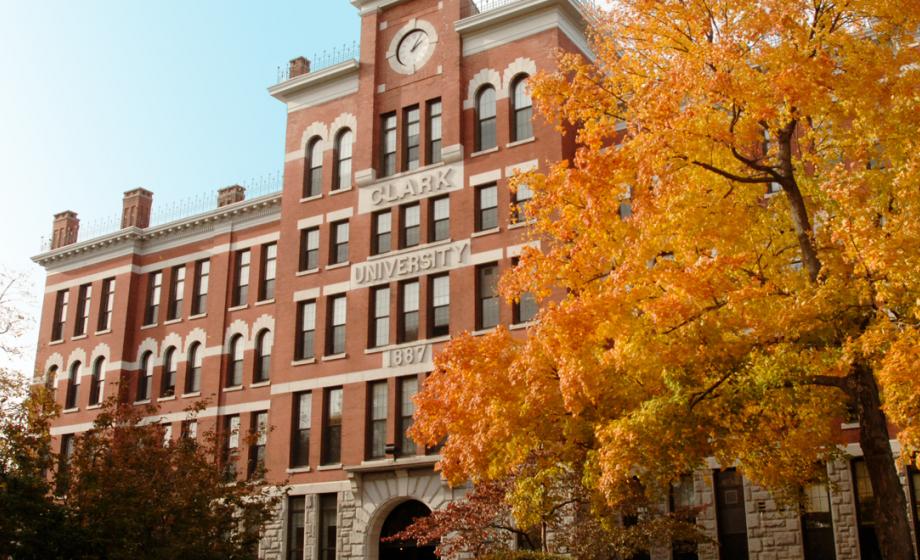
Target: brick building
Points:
x,y
316,310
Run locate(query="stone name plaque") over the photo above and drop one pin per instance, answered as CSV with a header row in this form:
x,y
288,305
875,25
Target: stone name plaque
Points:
x,y
407,356
409,264
394,191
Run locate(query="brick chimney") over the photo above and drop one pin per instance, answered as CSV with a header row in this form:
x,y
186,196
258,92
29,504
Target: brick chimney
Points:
x,y
230,195
299,66
136,208
65,229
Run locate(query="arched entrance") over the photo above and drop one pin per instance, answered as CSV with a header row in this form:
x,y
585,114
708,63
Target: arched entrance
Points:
x,y
401,517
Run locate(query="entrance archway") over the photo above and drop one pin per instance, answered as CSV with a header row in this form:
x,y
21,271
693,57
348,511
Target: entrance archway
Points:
x,y
401,517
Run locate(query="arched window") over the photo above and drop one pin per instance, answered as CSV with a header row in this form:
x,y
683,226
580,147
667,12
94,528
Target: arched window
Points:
x,y
485,119
313,176
193,369
73,386
145,379
170,366
235,371
343,144
264,342
521,110
98,381
50,377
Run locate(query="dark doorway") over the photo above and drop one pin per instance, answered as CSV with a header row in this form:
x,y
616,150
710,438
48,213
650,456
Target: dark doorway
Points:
x,y
731,515
400,518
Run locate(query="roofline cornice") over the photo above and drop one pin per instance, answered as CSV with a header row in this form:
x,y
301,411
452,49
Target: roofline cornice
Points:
x,y
513,10
310,80
136,235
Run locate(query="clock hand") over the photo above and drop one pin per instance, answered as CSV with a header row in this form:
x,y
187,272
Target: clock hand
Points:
x,y
415,46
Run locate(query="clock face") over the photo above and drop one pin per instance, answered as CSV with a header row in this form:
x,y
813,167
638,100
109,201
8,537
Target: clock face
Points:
x,y
412,46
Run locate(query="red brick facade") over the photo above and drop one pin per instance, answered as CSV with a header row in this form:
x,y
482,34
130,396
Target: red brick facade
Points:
x,y
468,50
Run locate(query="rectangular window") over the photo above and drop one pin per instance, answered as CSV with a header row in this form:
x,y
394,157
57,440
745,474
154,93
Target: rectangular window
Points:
x,y
190,430
202,274
84,297
300,435
408,315
296,526
865,511
309,249
269,271
231,445
817,523
683,505
388,145
411,220
241,278
408,387
487,296
434,131
176,293
332,427
339,252
380,323
486,208
411,138
522,196
525,309
63,480
154,287
439,316
377,430
335,339
306,330
383,227
440,219
106,305
258,434
730,514
60,314
328,531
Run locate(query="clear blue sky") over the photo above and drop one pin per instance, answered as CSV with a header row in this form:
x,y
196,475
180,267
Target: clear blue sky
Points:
x,y
100,96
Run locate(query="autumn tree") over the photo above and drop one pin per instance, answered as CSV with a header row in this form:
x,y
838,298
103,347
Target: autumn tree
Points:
x,y
133,492
733,256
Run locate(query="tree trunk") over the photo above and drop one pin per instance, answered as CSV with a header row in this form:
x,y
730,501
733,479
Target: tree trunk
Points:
x,y
891,525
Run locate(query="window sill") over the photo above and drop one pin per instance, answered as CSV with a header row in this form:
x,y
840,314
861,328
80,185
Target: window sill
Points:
x,y
521,142
232,389
521,326
523,224
69,410
298,470
338,265
311,198
78,337
190,395
94,407
335,467
199,316
481,332
484,152
173,321
334,357
150,326
844,425
55,342
106,331
145,401
307,272
265,302
340,191
303,362
260,384
398,252
485,232
167,398
238,307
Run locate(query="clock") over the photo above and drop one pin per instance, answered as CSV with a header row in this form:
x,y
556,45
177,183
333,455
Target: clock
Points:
x,y
412,46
